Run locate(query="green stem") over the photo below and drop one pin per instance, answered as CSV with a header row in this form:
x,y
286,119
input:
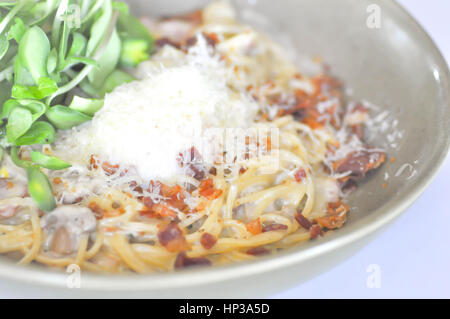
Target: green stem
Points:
x,y
17,160
11,15
88,68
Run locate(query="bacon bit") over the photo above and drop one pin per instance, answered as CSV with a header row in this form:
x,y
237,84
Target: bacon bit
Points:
x,y
109,168
93,163
161,42
303,221
57,181
384,185
111,229
183,261
299,175
359,163
172,238
337,215
312,123
213,171
208,241
315,231
9,185
206,189
174,195
153,210
274,227
192,160
164,211
258,251
211,40
99,212
242,170
254,227
393,159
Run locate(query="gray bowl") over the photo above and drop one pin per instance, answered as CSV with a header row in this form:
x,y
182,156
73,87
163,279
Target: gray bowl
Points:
x,y
396,67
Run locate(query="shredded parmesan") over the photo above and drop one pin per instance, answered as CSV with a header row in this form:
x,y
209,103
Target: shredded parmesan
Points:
x,y
147,123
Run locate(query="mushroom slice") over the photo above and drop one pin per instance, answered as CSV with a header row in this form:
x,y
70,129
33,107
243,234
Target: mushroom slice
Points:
x,y
65,226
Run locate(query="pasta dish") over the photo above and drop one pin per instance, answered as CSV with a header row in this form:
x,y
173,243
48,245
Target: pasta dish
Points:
x,y
152,144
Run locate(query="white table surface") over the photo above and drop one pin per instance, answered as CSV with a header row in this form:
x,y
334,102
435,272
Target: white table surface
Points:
x,y
413,254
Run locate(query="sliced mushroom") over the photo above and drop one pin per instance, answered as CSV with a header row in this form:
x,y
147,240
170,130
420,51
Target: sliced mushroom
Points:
x,y
65,226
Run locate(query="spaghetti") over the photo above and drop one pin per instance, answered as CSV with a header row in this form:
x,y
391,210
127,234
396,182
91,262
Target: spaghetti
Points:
x,y
110,219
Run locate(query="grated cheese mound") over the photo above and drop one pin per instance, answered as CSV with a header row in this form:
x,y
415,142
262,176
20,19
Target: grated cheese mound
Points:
x,y
147,123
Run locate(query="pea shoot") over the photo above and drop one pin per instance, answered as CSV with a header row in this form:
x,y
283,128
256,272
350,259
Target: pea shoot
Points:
x,y
58,58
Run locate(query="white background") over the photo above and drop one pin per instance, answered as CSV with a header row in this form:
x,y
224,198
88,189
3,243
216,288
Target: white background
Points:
x,y
413,254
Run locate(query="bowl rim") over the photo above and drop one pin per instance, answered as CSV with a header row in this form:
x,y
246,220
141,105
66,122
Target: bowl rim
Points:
x,y
380,217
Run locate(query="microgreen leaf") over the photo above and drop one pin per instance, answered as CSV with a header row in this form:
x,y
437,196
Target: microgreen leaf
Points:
x,y
17,30
4,45
134,51
107,62
49,162
40,132
120,6
52,61
115,79
78,45
46,87
86,106
21,74
34,48
40,189
65,118
19,121
130,27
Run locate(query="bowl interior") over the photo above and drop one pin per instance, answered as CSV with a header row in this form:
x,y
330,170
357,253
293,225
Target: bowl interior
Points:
x,y
396,67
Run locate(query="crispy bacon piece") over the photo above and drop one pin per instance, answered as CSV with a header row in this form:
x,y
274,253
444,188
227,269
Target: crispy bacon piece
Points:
x,y
93,163
274,227
254,227
303,221
258,251
206,189
161,42
211,40
305,108
315,231
192,161
337,215
208,241
184,261
173,201
109,168
359,163
172,238
300,175
99,212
